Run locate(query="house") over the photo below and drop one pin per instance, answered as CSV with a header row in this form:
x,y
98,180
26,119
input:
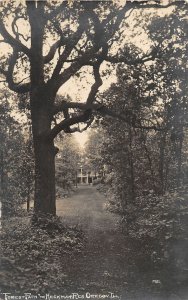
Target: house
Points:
x,y
86,175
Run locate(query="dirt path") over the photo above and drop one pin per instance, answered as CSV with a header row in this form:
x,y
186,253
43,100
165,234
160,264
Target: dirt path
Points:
x,y
86,208
105,266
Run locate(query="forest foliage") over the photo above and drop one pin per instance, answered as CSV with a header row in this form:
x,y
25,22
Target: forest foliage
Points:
x,y
17,175
67,164
145,160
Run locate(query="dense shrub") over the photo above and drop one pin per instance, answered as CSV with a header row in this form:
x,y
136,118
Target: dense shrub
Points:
x,y
34,256
159,228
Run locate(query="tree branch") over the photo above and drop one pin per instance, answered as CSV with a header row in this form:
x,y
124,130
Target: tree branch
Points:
x,y
65,124
15,29
60,107
57,82
61,78
69,47
52,51
146,57
95,87
55,12
77,129
71,42
128,116
3,72
146,4
15,43
16,87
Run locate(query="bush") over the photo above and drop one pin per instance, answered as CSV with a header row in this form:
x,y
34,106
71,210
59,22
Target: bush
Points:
x,y
97,181
34,255
159,228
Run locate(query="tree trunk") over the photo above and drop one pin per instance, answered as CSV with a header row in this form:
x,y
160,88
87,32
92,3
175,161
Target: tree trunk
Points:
x,y
2,172
179,156
44,152
6,204
147,152
161,163
41,115
131,165
3,187
44,177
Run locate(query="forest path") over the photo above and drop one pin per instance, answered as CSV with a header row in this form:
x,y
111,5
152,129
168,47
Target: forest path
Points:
x,y
86,208
105,264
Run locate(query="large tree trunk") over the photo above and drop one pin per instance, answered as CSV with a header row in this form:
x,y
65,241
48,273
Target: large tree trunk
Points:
x,y
41,105
44,177
44,152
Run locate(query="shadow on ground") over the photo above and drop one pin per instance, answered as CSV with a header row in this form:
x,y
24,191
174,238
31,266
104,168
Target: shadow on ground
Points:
x,y
110,262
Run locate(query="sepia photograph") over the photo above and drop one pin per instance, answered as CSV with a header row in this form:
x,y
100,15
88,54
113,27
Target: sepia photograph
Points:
x,y
94,149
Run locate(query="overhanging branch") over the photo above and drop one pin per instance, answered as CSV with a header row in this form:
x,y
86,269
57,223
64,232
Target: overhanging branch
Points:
x,y
148,4
65,124
16,87
145,58
15,43
52,51
69,47
95,87
128,116
55,12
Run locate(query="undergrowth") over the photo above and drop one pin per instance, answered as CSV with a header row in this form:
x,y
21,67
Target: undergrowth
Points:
x,y
158,229
34,255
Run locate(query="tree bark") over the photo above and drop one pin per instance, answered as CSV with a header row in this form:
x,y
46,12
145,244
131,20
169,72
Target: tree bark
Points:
x,y
44,177
4,208
131,165
41,102
161,163
179,156
44,152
